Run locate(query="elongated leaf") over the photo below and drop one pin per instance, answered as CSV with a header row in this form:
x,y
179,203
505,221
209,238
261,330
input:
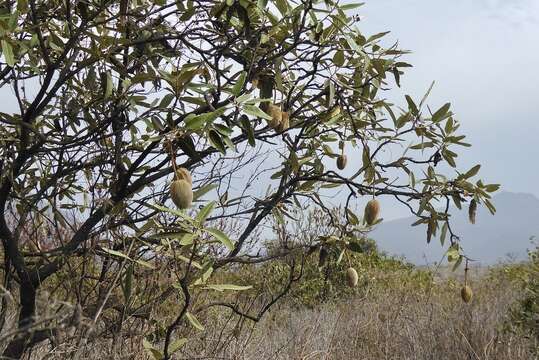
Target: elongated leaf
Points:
x,y
194,321
248,128
411,105
196,122
124,256
205,212
224,287
166,100
472,172
216,141
351,6
176,345
236,90
156,354
116,253
7,51
441,113
254,111
172,211
187,261
203,191
222,237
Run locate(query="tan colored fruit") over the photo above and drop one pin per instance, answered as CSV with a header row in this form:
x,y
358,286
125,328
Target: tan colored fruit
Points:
x,y
372,209
466,293
472,210
184,174
181,193
341,162
285,122
351,277
276,116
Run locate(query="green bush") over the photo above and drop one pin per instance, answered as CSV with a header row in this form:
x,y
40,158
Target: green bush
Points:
x,y
316,285
525,315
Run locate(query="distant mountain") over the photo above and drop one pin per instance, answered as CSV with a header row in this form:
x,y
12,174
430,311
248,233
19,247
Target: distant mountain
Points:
x,y
493,238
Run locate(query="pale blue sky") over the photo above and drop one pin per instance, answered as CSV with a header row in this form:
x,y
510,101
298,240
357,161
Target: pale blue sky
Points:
x,y
484,57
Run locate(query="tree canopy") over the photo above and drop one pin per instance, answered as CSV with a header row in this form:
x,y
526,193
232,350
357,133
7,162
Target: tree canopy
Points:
x,y
103,100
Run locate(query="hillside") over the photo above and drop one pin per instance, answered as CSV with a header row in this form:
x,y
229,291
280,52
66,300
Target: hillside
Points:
x,y
491,239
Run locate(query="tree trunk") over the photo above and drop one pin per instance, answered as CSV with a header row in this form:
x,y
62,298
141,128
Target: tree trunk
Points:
x,y
17,346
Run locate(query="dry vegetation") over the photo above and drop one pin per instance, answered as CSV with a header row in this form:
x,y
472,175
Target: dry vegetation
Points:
x,y
384,320
396,323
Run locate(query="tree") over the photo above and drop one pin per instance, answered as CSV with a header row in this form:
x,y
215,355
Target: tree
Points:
x,y
105,99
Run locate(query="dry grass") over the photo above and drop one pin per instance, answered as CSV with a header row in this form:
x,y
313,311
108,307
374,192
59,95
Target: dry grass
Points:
x,y
389,322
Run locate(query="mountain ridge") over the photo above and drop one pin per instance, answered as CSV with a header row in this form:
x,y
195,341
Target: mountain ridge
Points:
x,y
494,238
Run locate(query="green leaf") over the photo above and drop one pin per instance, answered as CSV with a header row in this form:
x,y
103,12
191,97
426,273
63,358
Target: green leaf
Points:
x,y
352,217
490,207
351,6
457,263
411,105
338,58
423,145
443,233
176,345
205,212
205,272
248,128
236,90
116,253
127,285
7,50
492,187
457,202
123,256
441,113
173,212
224,287
221,237
377,36
282,6
188,261
196,122
203,191
216,141
472,172
255,111
331,94
156,354
106,84
193,320
166,100
353,44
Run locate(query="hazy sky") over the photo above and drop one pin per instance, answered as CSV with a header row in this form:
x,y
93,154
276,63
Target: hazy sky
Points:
x,y
484,57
